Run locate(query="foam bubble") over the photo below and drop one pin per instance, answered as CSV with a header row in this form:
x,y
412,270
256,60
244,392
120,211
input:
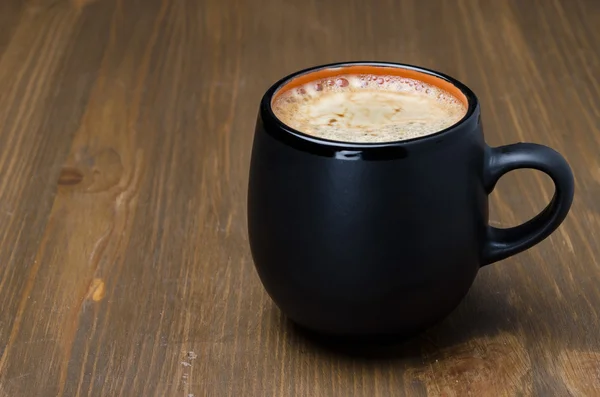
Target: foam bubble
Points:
x,y
368,108
342,82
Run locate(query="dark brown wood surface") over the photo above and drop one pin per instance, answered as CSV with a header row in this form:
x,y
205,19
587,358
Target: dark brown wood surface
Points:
x,y
125,134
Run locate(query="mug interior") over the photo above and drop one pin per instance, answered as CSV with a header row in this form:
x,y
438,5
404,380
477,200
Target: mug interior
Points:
x,y
377,70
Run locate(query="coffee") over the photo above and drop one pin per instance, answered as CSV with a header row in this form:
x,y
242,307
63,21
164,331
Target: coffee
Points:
x,y
368,108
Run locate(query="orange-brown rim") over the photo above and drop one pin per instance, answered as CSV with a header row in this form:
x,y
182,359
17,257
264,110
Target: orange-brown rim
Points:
x,y
399,71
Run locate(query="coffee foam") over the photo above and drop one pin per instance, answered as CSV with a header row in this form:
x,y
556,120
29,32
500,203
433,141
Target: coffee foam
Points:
x,y
368,108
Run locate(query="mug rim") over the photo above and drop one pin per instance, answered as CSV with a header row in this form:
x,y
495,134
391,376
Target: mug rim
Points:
x,y
292,135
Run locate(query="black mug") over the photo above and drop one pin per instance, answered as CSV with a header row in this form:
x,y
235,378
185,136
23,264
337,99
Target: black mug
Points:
x,y
384,239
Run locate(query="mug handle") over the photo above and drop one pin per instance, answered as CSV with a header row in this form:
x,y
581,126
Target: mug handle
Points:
x,y
502,243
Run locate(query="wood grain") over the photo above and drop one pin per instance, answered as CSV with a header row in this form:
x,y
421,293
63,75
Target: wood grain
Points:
x,y
125,130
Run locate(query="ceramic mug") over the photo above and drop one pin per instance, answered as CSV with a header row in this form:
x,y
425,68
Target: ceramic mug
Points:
x,y
384,239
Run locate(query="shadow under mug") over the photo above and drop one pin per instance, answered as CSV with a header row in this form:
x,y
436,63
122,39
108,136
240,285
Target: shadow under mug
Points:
x,y
372,240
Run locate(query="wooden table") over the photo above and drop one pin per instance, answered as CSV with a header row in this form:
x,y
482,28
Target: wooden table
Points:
x,y
125,134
